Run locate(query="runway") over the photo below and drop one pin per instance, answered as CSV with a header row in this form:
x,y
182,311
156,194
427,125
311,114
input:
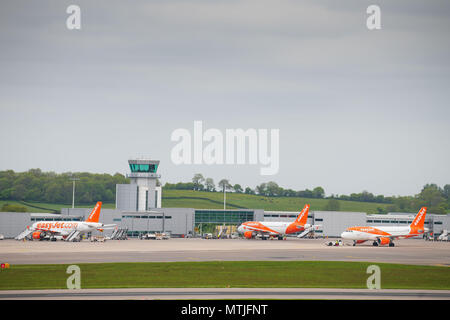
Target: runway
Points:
x,y
224,293
411,251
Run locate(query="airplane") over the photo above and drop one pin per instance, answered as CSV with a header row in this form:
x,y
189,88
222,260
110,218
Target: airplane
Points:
x,y
386,235
67,230
277,228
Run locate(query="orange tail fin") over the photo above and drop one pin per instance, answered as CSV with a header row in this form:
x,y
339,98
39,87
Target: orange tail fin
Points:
x,y
95,214
419,220
303,216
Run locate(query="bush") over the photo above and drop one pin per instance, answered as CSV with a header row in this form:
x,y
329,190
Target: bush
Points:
x,y
13,208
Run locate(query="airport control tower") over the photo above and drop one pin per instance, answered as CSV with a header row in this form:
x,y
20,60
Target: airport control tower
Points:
x,y
141,194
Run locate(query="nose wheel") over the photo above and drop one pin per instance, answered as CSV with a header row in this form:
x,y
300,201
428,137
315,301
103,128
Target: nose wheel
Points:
x,y
391,244
375,244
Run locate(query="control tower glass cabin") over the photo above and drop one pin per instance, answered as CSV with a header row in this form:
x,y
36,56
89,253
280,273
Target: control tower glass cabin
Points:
x,y
143,174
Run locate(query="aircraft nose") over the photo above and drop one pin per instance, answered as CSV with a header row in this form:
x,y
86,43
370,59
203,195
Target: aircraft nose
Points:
x,y
344,234
240,229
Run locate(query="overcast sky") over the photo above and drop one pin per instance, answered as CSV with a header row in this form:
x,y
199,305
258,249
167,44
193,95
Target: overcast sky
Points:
x,y
356,109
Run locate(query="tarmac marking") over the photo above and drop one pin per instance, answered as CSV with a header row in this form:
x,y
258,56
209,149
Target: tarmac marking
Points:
x,y
407,251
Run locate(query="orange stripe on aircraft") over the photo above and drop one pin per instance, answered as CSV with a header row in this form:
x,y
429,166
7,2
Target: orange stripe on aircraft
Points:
x,y
294,227
95,214
417,226
303,216
370,230
299,223
257,226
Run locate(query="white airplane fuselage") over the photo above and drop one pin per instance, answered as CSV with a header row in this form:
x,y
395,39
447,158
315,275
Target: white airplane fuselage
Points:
x,y
271,227
370,233
386,234
64,228
275,228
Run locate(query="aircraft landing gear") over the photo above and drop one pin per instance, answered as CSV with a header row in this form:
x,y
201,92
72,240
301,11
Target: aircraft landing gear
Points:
x,y
375,244
42,236
391,244
354,243
280,237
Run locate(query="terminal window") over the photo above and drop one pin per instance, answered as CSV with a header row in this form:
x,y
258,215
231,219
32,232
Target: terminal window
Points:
x,y
56,219
144,217
220,216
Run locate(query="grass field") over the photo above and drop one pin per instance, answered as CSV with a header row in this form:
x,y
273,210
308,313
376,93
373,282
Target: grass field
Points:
x,y
214,200
214,274
37,207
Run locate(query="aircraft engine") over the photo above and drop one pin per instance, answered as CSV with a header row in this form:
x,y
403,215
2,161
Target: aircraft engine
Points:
x,y
248,234
383,241
37,235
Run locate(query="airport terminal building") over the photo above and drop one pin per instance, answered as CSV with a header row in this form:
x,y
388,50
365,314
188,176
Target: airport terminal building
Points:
x,y
181,222
138,211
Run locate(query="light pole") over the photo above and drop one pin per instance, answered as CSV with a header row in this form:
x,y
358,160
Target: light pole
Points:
x,y
224,207
224,197
73,191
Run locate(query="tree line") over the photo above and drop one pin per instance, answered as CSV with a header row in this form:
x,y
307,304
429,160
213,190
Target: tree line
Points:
x,y
269,189
50,187
437,199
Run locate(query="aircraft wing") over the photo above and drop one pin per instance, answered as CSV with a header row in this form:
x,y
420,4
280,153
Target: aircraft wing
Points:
x,y
391,237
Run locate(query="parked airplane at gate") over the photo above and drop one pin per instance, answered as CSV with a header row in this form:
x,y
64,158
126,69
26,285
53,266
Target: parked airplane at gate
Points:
x,y
68,230
278,228
385,235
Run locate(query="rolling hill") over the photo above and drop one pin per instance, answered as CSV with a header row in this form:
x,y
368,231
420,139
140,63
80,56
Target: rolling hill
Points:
x,y
214,200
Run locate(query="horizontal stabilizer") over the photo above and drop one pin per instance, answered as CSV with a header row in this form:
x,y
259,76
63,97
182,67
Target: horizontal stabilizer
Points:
x,y
109,226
